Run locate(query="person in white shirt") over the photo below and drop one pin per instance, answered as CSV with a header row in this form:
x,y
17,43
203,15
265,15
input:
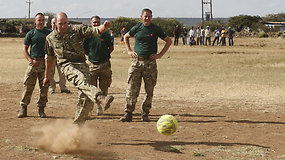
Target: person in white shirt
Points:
x,y
208,36
191,36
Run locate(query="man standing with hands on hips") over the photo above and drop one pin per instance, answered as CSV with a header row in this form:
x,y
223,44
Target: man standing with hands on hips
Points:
x,y
143,65
65,44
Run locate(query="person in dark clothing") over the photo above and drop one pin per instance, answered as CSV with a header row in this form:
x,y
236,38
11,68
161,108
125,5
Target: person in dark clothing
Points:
x,y
184,36
176,34
230,34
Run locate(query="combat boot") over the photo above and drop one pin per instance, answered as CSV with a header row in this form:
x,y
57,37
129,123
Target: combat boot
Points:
x,y
99,111
23,112
128,117
105,101
42,112
145,117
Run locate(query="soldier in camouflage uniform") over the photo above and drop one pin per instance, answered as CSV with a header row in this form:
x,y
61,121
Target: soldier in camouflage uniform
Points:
x,y
36,39
61,77
98,50
65,44
143,65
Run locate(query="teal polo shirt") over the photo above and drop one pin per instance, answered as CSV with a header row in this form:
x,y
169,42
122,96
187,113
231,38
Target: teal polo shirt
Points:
x,y
36,39
98,47
146,38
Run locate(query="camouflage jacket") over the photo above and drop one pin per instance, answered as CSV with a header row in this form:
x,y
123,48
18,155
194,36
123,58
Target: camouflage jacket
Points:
x,y
69,47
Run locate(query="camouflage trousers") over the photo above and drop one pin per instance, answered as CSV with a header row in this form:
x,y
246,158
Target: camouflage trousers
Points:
x,y
78,74
61,77
34,73
138,70
101,75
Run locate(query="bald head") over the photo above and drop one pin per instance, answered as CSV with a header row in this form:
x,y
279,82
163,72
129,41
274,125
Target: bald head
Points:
x,y
61,15
61,22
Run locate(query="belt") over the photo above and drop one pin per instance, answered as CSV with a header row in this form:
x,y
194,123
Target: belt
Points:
x,y
143,58
34,58
97,63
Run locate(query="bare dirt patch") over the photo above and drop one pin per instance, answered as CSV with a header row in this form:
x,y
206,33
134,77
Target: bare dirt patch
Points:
x,y
226,109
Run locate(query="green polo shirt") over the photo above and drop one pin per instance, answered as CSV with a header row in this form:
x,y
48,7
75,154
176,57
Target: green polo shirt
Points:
x,y
36,39
146,38
97,47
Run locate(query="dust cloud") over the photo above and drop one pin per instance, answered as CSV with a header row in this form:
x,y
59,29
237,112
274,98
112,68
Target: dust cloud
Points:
x,y
62,136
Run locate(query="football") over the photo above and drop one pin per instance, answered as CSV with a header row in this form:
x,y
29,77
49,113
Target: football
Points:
x,y
167,125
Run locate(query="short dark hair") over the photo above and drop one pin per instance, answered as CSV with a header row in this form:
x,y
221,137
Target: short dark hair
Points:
x,y
39,14
146,10
97,17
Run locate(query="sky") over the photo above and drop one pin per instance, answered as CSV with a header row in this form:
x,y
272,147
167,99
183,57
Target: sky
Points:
x,y
132,8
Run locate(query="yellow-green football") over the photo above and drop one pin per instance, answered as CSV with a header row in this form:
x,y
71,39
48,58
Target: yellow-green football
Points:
x,y
167,125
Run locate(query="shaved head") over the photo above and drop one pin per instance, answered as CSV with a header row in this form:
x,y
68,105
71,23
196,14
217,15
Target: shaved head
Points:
x,y
60,14
61,22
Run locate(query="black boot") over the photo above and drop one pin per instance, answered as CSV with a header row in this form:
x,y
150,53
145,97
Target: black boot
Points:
x,y
23,112
145,117
42,112
128,117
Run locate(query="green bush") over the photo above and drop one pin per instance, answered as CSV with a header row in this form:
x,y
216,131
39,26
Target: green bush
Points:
x,y
263,35
278,34
166,24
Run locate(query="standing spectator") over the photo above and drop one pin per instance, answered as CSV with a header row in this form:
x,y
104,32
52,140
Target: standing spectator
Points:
x,y
208,35
176,33
230,34
62,80
35,39
202,36
98,50
223,37
184,36
217,36
220,29
143,65
191,36
65,44
198,35
122,33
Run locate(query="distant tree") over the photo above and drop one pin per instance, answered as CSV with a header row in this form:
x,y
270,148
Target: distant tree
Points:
x,y
243,21
280,17
120,22
213,24
167,25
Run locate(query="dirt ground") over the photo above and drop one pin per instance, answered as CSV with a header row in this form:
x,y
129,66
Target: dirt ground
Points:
x,y
209,128
214,133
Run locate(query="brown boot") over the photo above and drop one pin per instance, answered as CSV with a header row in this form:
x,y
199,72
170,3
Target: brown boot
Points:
x,y
42,112
128,117
105,101
23,112
145,117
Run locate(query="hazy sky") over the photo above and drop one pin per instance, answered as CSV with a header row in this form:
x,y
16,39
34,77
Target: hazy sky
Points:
x,y
132,8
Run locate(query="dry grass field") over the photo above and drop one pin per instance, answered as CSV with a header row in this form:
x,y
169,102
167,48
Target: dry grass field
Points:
x,y
229,103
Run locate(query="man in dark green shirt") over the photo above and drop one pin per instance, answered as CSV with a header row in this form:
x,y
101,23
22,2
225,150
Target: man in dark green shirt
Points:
x,y
98,50
35,40
143,65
